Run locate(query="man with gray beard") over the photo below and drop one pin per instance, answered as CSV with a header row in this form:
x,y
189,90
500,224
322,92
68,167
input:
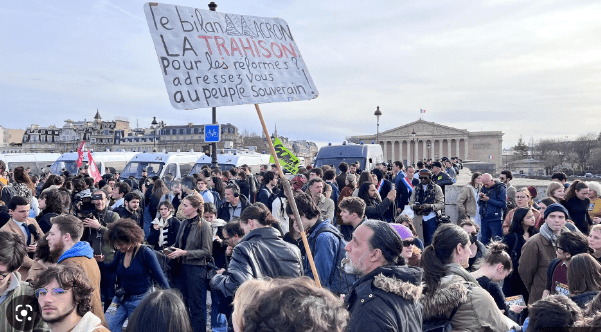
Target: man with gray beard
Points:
x,y
385,298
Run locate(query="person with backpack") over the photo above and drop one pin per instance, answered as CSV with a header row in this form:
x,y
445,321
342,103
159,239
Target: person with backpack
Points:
x,y
386,296
326,244
269,183
136,266
452,297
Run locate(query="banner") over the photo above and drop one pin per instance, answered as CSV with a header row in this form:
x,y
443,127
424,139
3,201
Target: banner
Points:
x,y
211,59
94,172
80,154
287,159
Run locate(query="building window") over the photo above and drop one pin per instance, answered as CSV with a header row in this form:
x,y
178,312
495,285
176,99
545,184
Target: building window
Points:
x,y
188,131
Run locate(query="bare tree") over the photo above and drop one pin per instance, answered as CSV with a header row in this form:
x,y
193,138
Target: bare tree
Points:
x,y
582,147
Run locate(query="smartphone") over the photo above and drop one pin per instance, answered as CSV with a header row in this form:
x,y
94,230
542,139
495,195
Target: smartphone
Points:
x,y
169,250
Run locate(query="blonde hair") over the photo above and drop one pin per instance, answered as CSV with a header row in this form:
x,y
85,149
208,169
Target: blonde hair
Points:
x,y
247,294
596,228
553,186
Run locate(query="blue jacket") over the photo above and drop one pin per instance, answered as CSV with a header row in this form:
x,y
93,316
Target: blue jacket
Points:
x,y
328,252
492,210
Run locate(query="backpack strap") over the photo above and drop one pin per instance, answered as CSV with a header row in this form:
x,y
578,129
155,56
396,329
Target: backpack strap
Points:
x,y
340,241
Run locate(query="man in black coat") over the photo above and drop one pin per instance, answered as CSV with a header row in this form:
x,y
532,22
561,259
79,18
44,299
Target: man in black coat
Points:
x,y
386,296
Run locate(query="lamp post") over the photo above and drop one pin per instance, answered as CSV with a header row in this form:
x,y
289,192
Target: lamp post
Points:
x,y
429,149
413,139
154,130
378,113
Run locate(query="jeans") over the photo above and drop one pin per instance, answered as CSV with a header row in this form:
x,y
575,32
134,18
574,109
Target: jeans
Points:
x,y
147,222
192,282
119,311
429,229
218,320
491,229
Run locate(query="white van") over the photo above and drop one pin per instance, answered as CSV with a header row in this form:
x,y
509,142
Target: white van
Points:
x,y
368,155
238,158
37,162
177,164
115,161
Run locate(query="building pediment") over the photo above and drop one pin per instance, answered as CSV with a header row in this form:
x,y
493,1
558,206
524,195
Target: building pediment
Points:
x,y
423,128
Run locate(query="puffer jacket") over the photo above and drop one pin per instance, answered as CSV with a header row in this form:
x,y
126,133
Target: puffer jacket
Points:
x,y
493,209
386,299
476,309
261,253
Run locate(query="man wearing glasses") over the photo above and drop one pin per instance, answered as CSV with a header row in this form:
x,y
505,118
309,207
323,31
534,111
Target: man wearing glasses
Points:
x,y
14,292
427,199
64,293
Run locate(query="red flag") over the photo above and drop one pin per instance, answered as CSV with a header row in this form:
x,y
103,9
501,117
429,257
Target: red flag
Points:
x,y
94,173
80,154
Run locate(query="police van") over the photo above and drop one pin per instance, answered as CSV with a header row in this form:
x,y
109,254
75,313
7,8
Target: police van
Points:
x,y
36,162
234,158
115,161
368,155
177,164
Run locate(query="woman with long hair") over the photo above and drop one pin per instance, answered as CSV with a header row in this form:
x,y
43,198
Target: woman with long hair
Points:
x,y
51,205
159,190
375,208
363,177
193,249
522,228
449,288
577,202
556,191
53,180
467,200
22,185
522,200
584,279
218,190
137,269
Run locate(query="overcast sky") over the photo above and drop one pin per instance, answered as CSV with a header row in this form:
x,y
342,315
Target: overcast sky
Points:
x,y
530,68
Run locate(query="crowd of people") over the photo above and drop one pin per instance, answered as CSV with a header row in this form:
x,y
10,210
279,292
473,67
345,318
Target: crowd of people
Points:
x,y
223,250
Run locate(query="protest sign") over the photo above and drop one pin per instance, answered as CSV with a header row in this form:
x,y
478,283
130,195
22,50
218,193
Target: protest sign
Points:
x,y
287,158
211,59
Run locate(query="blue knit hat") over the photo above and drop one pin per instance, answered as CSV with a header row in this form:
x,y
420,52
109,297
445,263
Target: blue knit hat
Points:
x,y
556,207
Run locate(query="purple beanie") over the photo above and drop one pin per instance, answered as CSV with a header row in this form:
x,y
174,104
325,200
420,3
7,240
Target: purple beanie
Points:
x,y
403,231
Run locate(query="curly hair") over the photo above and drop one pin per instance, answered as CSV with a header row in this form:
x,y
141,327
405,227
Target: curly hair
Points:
x,y
69,276
125,231
54,201
303,307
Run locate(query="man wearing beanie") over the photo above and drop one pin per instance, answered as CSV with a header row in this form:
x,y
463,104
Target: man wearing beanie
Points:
x,y
539,251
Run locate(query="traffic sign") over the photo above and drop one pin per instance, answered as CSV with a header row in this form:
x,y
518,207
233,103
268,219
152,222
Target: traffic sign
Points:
x,y
212,133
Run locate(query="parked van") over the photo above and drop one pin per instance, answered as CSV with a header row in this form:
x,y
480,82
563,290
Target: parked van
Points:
x,y
37,162
235,158
177,164
115,161
368,155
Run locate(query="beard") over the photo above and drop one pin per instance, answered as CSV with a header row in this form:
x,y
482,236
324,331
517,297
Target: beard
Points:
x,y
56,252
351,268
61,317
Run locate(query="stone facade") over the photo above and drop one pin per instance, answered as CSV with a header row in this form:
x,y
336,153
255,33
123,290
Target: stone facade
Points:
x,y
434,141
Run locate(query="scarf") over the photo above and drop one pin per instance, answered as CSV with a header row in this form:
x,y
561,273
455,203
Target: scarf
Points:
x,y
548,234
162,224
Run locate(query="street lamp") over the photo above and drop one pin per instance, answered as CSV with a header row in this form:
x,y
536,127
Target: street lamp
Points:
x,y
377,113
154,130
429,149
414,147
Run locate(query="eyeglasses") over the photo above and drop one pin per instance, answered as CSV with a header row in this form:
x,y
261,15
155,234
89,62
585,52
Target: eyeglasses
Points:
x,y
4,275
407,243
42,292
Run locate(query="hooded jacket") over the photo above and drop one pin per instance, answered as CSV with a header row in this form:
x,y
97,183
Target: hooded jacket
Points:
x,y
476,309
493,209
386,299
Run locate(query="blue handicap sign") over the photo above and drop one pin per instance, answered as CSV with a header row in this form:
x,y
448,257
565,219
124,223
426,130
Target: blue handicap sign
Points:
x,y
212,133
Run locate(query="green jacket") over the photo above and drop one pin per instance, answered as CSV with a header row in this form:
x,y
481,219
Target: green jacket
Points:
x,y
22,294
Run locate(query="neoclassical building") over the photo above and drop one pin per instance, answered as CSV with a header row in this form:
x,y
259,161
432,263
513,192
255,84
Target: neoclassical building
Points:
x,y
434,141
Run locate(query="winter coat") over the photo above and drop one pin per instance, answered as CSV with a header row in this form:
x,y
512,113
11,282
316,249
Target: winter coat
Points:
x,y
386,299
476,309
223,211
199,242
583,299
326,207
578,210
261,253
377,210
467,203
438,205
493,209
537,253
403,190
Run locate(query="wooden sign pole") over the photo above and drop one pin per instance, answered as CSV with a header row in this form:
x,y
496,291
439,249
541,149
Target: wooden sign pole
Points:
x,y
290,197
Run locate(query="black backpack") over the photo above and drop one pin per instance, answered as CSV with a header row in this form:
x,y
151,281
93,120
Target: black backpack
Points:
x,y
346,279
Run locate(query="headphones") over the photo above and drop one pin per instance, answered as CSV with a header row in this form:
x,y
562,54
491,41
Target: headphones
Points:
x,y
235,190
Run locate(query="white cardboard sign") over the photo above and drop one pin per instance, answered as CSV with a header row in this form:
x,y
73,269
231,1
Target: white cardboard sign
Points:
x,y
211,59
